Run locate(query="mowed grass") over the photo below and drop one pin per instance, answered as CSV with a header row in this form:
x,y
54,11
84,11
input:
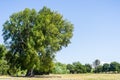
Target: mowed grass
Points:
x,y
67,77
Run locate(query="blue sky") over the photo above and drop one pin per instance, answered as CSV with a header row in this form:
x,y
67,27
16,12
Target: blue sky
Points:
x,y
96,26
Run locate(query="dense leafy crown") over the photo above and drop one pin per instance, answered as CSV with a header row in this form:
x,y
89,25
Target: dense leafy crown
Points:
x,y
33,37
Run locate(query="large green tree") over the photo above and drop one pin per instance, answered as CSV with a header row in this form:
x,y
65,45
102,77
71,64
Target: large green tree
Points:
x,y
34,37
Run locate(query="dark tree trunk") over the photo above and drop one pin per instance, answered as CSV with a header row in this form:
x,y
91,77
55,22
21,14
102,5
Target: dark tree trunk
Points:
x,y
29,73
8,72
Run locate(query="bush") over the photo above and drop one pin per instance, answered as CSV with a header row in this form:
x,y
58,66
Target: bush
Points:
x,y
60,68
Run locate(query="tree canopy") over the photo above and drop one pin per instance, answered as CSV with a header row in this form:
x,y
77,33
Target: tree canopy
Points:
x,y
34,37
60,68
96,63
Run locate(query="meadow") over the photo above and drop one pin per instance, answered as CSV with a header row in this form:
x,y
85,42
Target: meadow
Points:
x,y
67,77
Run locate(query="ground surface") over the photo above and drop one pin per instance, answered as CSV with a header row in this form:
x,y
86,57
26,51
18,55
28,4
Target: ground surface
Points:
x,y
68,77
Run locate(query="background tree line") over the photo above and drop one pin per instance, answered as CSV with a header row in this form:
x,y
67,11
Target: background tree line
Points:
x,y
96,67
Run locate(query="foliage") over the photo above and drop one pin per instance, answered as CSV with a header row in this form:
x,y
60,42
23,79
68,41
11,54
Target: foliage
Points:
x,y
70,67
79,68
106,67
98,69
33,38
3,51
114,66
3,67
88,68
60,68
76,67
3,63
96,63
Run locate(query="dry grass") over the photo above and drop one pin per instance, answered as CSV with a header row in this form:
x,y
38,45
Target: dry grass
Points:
x,y
67,77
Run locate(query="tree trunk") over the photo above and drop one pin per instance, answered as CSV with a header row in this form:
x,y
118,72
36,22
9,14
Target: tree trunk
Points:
x,y
29,73
8,72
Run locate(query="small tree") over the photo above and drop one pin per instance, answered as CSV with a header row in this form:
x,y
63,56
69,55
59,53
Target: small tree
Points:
x,y
70,67
98,69
60,68
96,63
88,68
106,67
79,68
114,66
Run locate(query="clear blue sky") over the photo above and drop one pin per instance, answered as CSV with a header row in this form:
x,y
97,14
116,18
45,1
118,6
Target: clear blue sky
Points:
x,y
96,26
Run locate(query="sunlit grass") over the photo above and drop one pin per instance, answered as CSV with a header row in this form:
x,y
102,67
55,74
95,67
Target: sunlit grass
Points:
x,y
67,77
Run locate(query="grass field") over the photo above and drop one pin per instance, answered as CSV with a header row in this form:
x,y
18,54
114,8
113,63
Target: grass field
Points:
x,y
68,77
